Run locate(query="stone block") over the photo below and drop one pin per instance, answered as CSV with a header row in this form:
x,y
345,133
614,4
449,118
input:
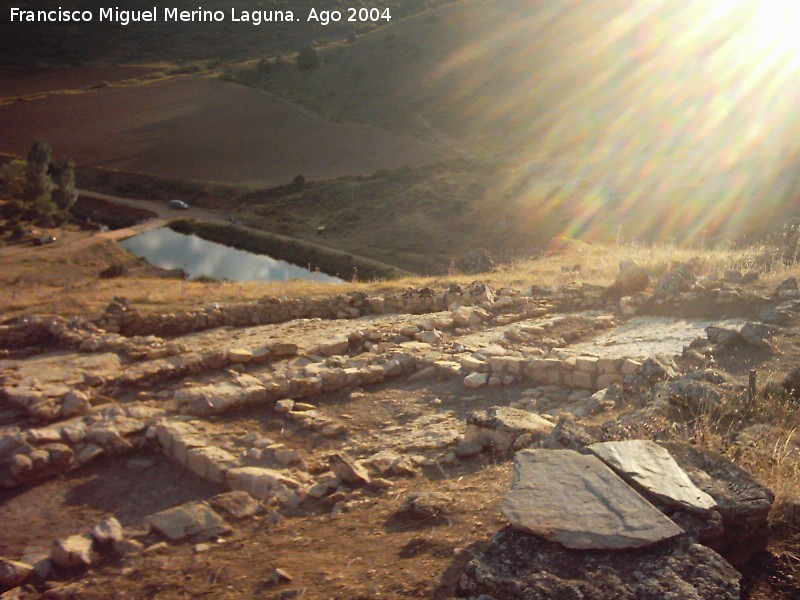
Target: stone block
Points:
x,y
606,380
606,366
210,462
587,364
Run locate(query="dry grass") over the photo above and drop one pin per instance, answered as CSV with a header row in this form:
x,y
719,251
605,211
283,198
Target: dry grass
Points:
x,y
63,278
576,262
762,438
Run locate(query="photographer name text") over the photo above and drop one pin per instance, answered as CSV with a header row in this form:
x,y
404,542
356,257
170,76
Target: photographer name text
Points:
x,y
126,17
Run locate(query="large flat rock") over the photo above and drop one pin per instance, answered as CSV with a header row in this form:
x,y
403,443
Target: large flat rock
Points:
x,y
580,502
743,502
652,469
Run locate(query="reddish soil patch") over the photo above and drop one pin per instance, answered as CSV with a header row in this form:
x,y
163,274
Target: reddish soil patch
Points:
x,y
74,503
20,82
201,128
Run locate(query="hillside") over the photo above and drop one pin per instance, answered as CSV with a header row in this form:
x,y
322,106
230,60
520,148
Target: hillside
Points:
x,y
483,124
686,118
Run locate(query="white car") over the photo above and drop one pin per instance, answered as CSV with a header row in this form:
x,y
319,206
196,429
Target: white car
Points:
x,y
178,204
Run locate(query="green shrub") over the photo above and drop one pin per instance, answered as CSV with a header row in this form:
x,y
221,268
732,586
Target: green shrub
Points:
x,y
112,271
205,279
308,58
298,183
264,66
184,226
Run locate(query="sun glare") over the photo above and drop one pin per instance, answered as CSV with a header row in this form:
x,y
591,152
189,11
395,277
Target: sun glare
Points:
x,y
775,24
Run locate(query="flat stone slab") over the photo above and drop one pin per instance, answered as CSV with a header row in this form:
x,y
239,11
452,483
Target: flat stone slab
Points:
x,y
579,502
652,468
502,427
643,337
189,519
743,502
237,504
428,432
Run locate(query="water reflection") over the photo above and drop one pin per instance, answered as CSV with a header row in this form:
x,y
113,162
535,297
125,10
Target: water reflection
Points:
x,y
171,250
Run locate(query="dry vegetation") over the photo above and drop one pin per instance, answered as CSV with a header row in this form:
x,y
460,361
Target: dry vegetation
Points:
x,y
63,278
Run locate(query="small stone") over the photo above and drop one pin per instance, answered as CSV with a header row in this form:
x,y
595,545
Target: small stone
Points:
x,y
284,406
75,403
64,592
430,337
107,531
333,429
281,576
40,559
157,548
336,345
348,470
632,278
423,374
476,380
283,349
757,334
266,484
72,552
239,355
237,504
20,464
127,547
426,505
287,456
13,573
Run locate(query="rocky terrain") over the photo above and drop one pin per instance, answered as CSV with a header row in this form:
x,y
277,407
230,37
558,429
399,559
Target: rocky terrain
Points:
x,y
362,445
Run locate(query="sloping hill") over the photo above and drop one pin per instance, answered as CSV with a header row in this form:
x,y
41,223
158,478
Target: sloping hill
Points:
x,y
680,116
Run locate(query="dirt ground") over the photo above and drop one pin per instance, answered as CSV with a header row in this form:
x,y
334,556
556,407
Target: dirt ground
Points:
x,y
363,549
366,552
200,128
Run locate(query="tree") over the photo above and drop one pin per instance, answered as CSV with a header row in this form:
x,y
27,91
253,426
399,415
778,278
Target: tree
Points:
x,y
12,179
65,194
37,181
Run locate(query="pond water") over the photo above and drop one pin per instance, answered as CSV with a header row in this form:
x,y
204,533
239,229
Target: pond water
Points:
x,y
171,250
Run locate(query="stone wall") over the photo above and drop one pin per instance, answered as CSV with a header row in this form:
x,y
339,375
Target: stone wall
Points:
x,y
122,318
